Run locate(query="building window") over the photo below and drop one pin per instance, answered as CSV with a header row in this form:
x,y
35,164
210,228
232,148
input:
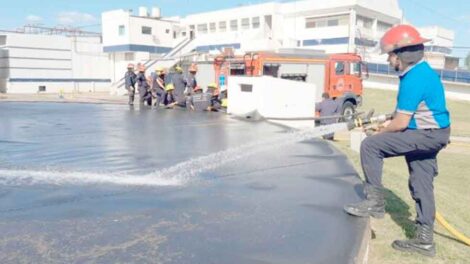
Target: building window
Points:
x,y
147,30
212,27
364,22
327,21
183,33
129,56
122,30
382,26
167,31
222,26
333,22
233,25
310,23
202,28
245,23
255,22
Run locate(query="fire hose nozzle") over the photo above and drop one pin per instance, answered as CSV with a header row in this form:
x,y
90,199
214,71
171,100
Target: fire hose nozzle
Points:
x,y
367,120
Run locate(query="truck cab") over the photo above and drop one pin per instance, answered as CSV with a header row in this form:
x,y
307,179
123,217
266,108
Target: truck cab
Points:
x,y
345,73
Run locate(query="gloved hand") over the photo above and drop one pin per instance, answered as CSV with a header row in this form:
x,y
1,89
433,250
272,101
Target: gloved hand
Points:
x,y
371,130
374,129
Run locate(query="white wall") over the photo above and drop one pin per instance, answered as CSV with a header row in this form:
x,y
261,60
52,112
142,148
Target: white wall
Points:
x,y
39,56
159,37
440,36
268,97
58,62
57,87
111,21
88,59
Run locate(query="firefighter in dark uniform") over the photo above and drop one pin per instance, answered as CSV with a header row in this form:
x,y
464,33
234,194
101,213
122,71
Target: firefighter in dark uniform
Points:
x,y
145,96
130,80
215,103
169,97
419,130
158,86
191,84
327,107
179,83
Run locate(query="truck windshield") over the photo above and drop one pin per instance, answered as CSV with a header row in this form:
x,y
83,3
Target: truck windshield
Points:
x,y
356,69
271,70
237,69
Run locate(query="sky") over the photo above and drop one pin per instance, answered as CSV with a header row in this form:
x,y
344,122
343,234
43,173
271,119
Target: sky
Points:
x,y
450,14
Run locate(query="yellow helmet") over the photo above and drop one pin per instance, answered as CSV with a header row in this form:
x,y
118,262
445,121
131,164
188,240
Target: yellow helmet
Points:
x,y
169,87
212,85
160,69
178,69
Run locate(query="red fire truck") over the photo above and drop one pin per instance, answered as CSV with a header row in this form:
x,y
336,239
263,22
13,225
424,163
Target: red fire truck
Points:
x,y
340,75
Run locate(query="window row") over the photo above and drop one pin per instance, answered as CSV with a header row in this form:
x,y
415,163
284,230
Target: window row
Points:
x,y
144,30
326,21
367,22
232,25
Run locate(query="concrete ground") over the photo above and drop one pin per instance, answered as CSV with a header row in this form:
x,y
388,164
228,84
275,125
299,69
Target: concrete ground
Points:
x,y
83,97
105,183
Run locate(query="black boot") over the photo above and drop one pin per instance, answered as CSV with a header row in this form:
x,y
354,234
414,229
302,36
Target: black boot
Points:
x,y
422,243
373,205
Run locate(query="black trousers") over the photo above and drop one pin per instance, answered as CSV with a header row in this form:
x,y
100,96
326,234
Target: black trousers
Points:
x,y
420,148
145,96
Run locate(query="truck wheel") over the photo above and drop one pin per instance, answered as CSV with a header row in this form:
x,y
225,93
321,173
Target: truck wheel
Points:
x,y
348,111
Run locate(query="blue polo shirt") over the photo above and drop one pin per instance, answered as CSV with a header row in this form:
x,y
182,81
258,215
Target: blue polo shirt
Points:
x,y
421,94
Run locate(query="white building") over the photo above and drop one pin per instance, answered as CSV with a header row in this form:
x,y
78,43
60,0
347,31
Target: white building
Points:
x,y
335,26
438,50
28,61
129,38
54,62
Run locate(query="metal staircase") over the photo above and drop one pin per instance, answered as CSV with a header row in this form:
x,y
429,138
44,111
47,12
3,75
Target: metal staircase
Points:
x,y
166,61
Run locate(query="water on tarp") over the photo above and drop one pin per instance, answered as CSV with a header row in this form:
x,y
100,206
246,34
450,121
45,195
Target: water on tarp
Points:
x,y
175,175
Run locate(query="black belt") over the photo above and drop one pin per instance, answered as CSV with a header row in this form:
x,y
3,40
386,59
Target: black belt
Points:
x,y
432,129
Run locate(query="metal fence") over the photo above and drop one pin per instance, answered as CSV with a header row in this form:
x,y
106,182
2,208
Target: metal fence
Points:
x,y
459,76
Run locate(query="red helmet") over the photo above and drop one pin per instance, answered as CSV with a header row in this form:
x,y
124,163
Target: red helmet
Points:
x,y
400,36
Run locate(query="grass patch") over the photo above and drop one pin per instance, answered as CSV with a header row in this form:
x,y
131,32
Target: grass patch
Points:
x,y
451,190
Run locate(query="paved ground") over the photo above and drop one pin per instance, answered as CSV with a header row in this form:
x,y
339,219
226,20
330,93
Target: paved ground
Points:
x,y
86,183
96,98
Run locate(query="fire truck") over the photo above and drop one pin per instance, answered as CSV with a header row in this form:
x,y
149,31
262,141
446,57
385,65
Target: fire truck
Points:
x,y
340,75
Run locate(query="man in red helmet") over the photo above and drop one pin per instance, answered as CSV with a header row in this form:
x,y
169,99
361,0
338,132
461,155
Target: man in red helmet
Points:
x,y
419,130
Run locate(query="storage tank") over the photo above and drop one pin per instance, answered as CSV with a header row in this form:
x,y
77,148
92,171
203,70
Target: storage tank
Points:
x,y
156,13
143,12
